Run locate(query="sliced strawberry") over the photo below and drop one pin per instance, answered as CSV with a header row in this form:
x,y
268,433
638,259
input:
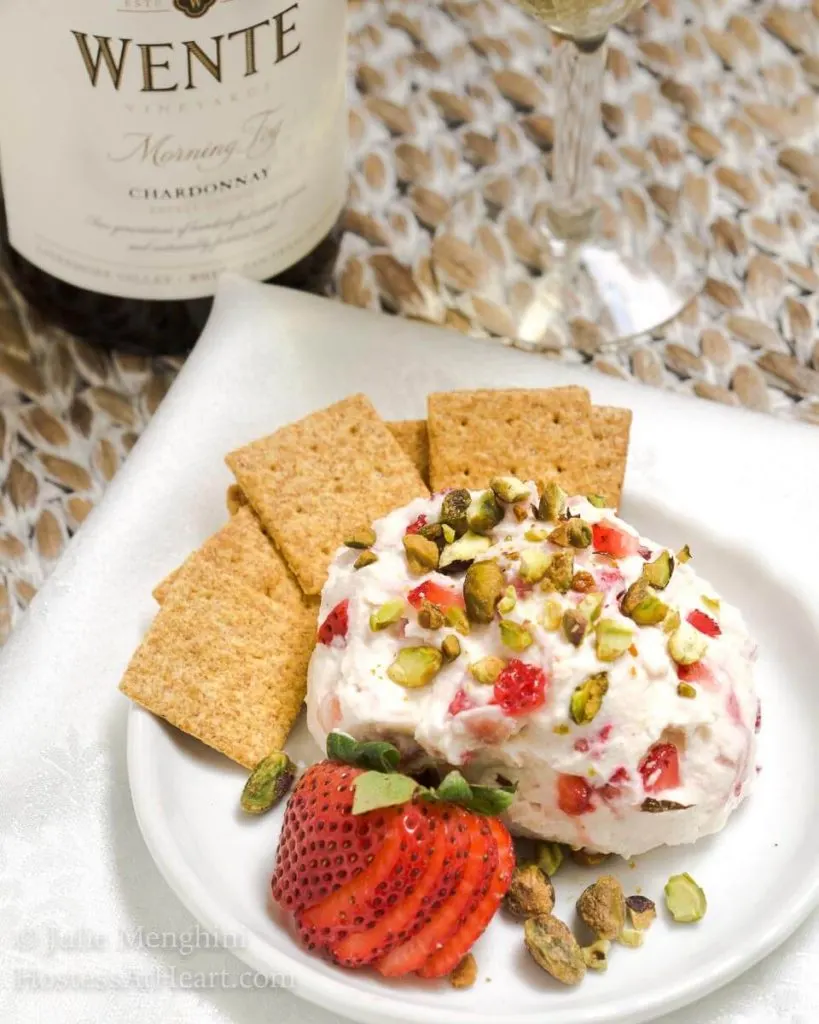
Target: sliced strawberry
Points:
x,y
336,624
704,623
434,592
611,540
455,949
480,861
321,848
460,702
417,524
397,866
520,688
660,768
574,795
416,904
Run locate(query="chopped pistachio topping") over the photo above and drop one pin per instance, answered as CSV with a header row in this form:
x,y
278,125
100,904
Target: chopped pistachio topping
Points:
x,y
686,690
685,900
552,503
684,555
613,639
508,601
451,648
415,667
422,554
435,533
711,603
430,616
548,857
487,670
484,513
361,539
575,626
561,729
596,956
509,489
364,559
388,614
456,618
560,572
534,564
658,573
520,512
448,533
515,636
642,911
583,582
672,621
642,605
591,606
484,585
587,698
461,553
552,614
454,509
687,645
597,500
535,534
588,858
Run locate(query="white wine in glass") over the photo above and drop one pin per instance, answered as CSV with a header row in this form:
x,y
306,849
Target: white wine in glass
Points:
x,y
622,289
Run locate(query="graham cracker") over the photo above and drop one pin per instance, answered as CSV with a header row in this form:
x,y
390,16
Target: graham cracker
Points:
x,y
314,481
241,549
413,437
539,435
225,663
235,499
611,429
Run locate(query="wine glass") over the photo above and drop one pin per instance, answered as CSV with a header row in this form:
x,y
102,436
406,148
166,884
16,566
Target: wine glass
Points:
x,y
624,283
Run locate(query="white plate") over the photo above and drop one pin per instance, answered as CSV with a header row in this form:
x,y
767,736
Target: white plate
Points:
x,y
730,484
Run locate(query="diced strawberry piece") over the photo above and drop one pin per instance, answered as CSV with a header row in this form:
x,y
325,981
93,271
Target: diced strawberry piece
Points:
x,y
645,553
608,580
336,624
489,725
460,702
605,733
758,722
613,789
611,540
582,745
434,592
317,833
522,588
704,623
416,525
520,688
660,768
699,672
409,909
479,862
455,949
574,795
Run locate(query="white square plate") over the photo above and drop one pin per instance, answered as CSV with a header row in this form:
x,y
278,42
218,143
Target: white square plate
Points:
x,y
736,486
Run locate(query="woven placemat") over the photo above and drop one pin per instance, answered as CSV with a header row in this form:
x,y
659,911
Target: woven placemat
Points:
x,y
710,113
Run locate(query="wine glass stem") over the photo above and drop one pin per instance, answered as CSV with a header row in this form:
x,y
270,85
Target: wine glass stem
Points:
x,y
578,69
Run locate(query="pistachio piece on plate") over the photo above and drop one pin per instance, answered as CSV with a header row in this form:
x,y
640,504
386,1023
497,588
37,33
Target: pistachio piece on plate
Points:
x,y
530,893
415,667
685,900
642,911
630,937
465,974
509,489
483,589
596,956
548,856
387,615
555,949
588,858
453,510
602,906
268,783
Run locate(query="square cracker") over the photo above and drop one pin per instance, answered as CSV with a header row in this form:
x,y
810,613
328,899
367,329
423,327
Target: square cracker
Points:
x,y
225,664
413,437
537,435
242,549
611,428
314,481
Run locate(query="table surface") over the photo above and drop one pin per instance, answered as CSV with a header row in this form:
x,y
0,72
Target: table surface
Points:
x,y
710,119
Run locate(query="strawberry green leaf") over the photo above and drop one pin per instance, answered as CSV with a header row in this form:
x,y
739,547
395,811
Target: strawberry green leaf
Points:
x,y
455,789
374,755
490,800
374,790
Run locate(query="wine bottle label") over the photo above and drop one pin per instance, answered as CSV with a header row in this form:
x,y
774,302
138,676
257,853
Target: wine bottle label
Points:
x,y
148,145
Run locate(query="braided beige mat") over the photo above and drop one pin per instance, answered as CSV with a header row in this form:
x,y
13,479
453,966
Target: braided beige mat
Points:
x,y
710,115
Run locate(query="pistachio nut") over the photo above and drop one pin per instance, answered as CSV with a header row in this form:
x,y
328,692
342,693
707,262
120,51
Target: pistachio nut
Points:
x,y
487,670
588,858
574,533
560,572
515,636
534,564
591,606
484,585
711,603
456,618
687,645
484,513
613,639
658,573
415,667
561,729
448,533
686,690
587,698
451,648
575,626
465,973
422,554
642,911
361,539
508,601
630,937
602,906
583,582
653,806
552,614
555,949
364,559
685,900
671,622
461,553
430,616
453,510
509,489
552,503
435,533
642,605
548,857
535,534
268,783
530,892
596,956
387,615
520,512
597,500
684,555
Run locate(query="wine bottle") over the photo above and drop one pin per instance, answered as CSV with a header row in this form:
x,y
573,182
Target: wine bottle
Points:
x,y
146,146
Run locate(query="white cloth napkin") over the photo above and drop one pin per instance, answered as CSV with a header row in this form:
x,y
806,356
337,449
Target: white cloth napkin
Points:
x,y
89,931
